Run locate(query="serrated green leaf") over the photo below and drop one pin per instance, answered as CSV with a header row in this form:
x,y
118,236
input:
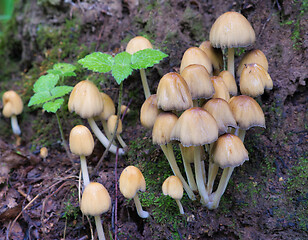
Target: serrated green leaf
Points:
x,y
56,72
53,106
123,58
45,82
69,74
40,97
120,72
98,62
60,91
147,58
64,67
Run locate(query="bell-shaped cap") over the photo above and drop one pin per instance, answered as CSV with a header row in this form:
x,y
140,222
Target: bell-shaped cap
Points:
x,y
131,181
229,81
247,112
188,153
195,127
111,124
220,110
12,104
231,30
199,81
81,141
173,187
85,100
109,108
214,54
195,55
138,43
253,56
162,128
229,151
149,111
95,199
173,93
221,90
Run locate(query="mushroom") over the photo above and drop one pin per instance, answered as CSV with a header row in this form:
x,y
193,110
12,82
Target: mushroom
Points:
x,y
95,201
43,153
111,124
131,181
188,158
82,144
227,152
134,45
86,101
124,109
229,81
214,54
12,106
173,187
221,90
149,111
231,30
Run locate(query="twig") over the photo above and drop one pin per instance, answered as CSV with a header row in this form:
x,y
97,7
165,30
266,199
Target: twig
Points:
x,y
116,195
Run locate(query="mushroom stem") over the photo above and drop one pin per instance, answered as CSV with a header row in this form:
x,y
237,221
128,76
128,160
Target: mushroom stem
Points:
x,y
99,228
15,126
226,174
213,170
195,103
180,206
231,60
102,138
199,176
145,85
168,151
241,134
140,211
105,127
84,170
188,170
121,141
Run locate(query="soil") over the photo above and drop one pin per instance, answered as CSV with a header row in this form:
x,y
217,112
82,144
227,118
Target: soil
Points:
x,y
266,197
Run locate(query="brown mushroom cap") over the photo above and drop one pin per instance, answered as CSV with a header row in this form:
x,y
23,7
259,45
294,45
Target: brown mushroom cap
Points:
x,y
12,104
131,181
162,128
229,81
221,90
195,127
195,55
149,111
231,30
214,54
173,93
85,100
199,81
111,124
109,108
95,199
43,152
81,141
173,187
247,112
253,56
229,151
138,43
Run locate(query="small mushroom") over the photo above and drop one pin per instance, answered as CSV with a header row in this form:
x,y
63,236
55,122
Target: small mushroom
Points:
x,y
43,153
111,124
173,187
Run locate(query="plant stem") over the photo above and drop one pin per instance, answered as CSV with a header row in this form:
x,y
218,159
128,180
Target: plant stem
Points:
x,y
116,196
99,228
145,85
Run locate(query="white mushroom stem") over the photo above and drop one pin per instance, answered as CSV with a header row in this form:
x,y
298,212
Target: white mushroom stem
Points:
x,y
145,85
241,134
231,61
121,141
226,174
168,151
180,206
213,170
15,126
199,176
84,170
140,211
189,172
99,228
102,138
105,127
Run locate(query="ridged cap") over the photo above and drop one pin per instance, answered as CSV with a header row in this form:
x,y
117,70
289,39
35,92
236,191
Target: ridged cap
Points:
x,y
149,111
111,124
81,141
162,128
221,90
109,108
253,56
214,54
229,81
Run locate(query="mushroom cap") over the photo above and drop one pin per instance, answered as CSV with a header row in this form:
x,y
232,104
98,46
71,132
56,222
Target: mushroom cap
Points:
x,y
247,112
199,81
12,104
195,55
81,141
43,152
220,110
111,124
149,111
123,108
229,151
221,90
95,199
131,181
173,93
188,153
162,128
231,30
138,43
85,100
229,81
253,56
214,54
195,127
109,108
173,187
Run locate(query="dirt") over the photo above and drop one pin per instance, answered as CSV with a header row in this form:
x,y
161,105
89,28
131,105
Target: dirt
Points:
x,y
266,197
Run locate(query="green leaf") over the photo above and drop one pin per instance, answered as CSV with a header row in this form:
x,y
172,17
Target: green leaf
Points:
x,y
53,106
122,66
147,58
45,82
64,67
98,62
40,97
60,91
